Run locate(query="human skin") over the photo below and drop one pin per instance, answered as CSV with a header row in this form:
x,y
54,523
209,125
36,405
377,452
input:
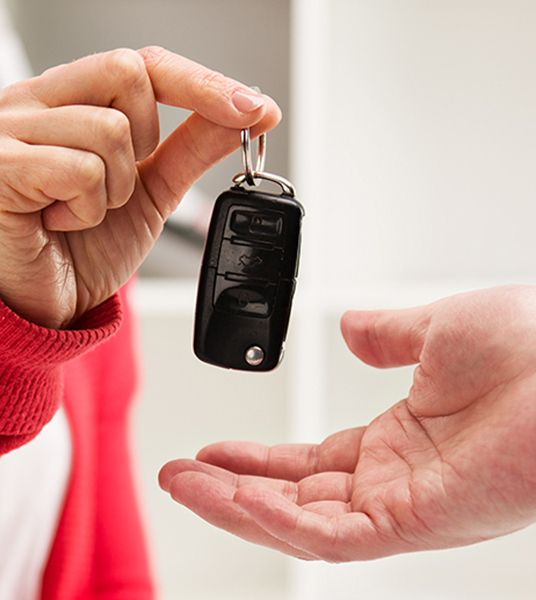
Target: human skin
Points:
x,y
85,186
452,464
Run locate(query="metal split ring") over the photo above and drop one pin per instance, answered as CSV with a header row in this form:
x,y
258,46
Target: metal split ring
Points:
x,y
253,177
246,156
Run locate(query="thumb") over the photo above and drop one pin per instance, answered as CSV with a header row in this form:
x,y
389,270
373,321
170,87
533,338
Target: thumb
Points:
x,y
386,338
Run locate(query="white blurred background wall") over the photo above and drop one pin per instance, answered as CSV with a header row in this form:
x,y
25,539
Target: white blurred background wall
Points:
x,y
410,134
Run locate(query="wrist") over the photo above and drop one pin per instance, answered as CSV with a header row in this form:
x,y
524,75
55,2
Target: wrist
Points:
x,y
22,340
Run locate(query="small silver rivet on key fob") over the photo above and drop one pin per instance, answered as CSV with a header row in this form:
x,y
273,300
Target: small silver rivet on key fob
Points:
x,y
254,356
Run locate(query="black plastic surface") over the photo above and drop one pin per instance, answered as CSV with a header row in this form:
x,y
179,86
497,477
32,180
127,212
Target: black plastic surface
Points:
x,y
247,279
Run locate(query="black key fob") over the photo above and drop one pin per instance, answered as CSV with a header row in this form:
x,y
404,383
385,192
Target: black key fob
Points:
x,y
247,279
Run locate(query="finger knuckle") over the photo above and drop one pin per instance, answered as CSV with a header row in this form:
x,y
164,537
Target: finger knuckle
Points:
x,y
210,81
9,151
116,129
15,94
96,215
127,65
153,54
90,215
91,173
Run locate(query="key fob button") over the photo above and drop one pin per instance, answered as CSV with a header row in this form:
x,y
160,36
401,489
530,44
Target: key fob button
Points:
x,y
243,299
250,223
249,260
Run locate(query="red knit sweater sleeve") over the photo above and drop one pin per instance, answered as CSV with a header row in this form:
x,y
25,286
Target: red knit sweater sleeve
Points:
x,y
100,549
31,360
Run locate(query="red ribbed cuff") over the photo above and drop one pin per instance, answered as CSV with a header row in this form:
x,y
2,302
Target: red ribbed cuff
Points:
x,y
31,360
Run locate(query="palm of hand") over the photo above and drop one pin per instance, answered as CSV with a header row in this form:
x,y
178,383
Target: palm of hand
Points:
x,y
451,465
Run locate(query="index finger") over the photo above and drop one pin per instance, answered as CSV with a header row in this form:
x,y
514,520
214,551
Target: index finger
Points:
x,y
212,500
178,81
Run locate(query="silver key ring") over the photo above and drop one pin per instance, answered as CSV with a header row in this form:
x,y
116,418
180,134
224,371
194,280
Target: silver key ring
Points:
x,y
246,156
254,177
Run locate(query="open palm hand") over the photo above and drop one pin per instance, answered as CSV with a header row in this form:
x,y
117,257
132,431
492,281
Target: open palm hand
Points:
x,y
452,464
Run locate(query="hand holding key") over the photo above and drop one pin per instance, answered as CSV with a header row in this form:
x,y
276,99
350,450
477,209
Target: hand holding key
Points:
x,y
84,186
452,464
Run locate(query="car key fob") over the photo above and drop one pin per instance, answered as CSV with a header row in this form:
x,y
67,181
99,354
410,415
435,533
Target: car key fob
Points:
x,y
247,279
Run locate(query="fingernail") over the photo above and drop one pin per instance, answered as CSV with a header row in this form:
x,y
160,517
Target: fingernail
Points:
x,y
246,102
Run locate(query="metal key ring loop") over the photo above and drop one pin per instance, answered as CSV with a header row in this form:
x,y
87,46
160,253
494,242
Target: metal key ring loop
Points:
x,y
246,156
285,184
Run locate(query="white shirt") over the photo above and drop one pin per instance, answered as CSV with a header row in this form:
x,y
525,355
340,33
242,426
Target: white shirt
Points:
x,y
33,482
